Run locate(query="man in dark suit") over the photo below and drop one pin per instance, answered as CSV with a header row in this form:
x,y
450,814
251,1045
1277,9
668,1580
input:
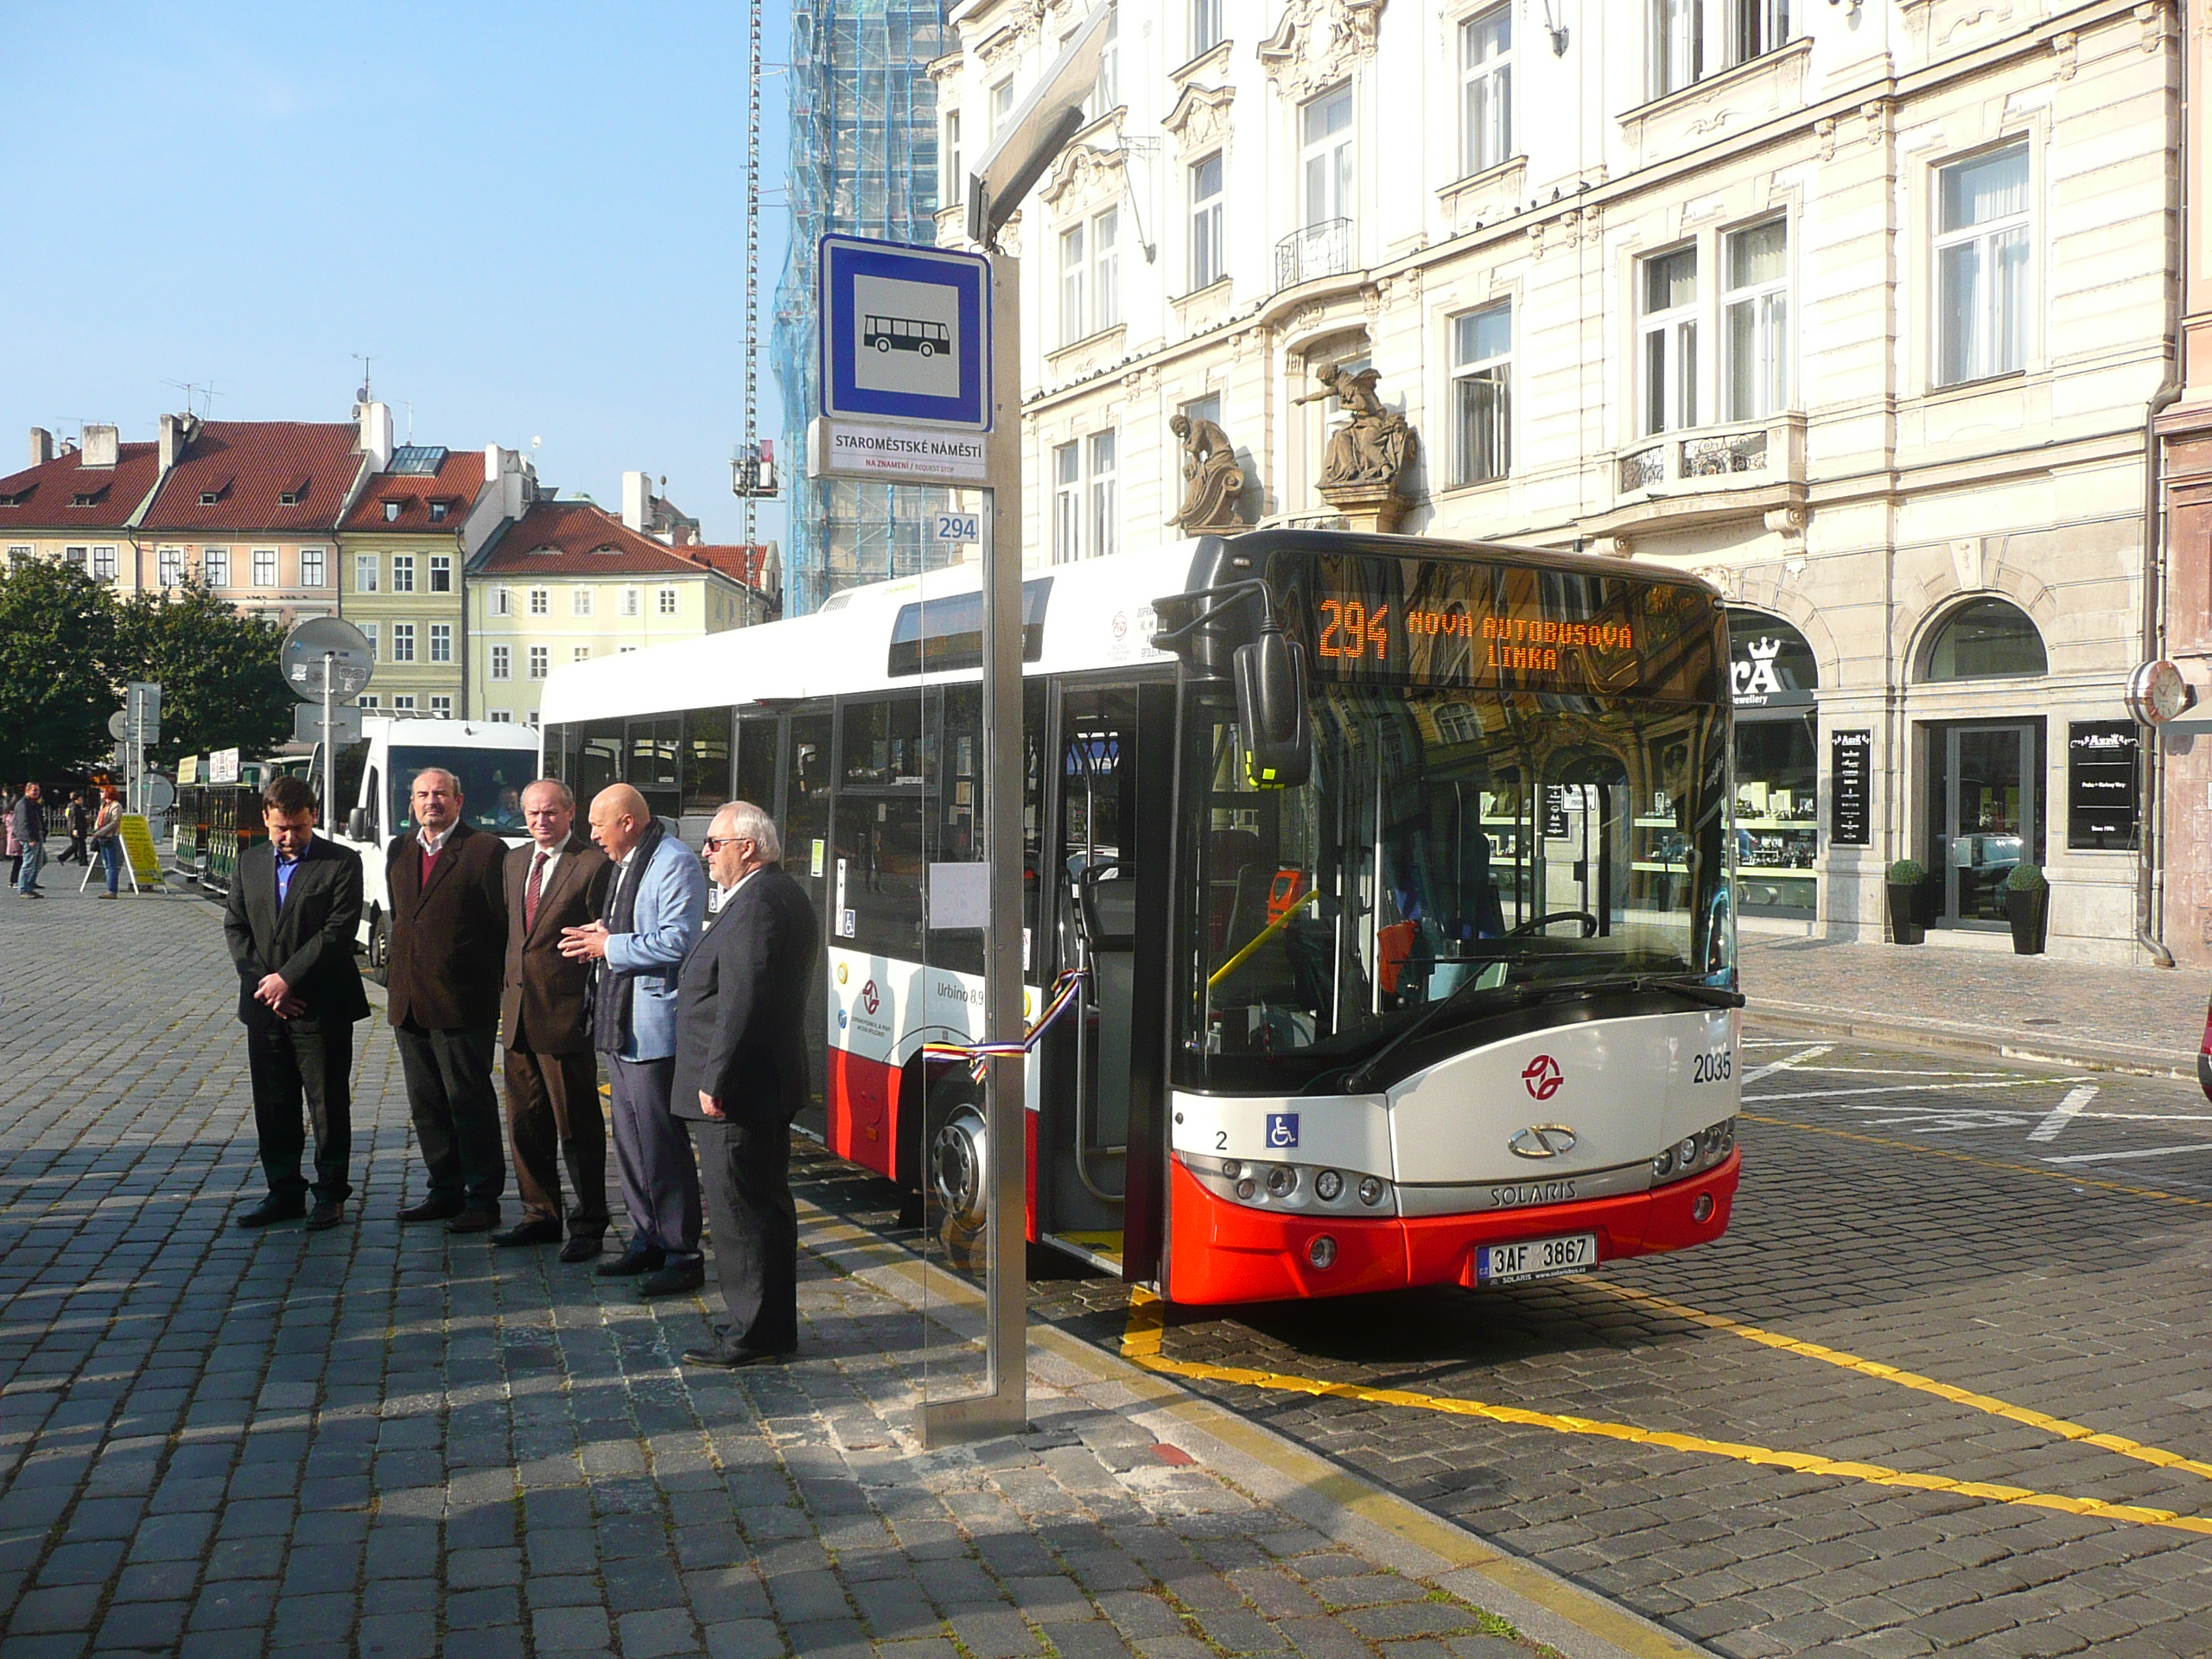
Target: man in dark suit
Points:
x,y
742,1076
557,881
447,884
294,909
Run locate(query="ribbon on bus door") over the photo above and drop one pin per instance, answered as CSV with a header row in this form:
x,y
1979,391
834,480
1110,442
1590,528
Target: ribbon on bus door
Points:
x,y
978,1056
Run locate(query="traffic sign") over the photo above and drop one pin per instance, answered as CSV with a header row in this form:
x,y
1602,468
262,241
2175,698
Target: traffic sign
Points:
x,y
313,640
958,527
905,334
119,725
142,711
345,723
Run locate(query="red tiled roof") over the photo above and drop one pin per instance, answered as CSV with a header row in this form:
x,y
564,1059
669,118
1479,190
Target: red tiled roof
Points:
x,y
457,482
249,466
580,538
744,564
48,489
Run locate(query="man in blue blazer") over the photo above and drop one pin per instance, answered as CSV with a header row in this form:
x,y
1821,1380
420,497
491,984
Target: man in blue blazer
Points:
x,y
654,908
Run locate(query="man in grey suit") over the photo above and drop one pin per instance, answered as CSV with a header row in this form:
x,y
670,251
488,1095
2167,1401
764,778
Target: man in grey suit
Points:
x,y
654,908
741,1076
293,909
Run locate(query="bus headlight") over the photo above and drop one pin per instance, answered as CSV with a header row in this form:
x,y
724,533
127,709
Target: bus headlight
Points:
x,y
1283,1180
1663,1164
1294,1188
1686,1152
1328,1186
1370,1191
1231,1168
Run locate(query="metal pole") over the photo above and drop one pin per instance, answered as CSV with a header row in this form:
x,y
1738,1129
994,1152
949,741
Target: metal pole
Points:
x,y
329,767
1005,1409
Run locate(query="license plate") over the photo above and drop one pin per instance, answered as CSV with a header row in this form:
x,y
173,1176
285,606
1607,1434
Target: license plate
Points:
x,y
1536,1258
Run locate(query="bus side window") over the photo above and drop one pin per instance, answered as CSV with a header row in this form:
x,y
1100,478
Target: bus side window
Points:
x,y
756,769
599,760
878,837
372,800
806,804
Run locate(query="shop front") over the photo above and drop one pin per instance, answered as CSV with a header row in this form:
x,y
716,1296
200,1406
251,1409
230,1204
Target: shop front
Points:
x,y
1778,769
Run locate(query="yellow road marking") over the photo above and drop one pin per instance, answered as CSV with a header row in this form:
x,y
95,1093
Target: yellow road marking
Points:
x,y
1143,1336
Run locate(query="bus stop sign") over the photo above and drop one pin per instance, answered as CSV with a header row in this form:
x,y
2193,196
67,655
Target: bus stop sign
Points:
x,y
905,335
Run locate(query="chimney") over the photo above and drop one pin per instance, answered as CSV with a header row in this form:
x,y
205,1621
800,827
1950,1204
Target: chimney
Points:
x,y
41,446
172,441
99,446
637,501
376,435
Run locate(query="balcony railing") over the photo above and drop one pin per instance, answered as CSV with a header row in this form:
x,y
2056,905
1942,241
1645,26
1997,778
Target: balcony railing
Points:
x,y
1742,456
1322,250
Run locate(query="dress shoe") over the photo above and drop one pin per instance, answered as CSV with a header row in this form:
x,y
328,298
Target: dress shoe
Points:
x,y
473,1221
631,1263
325,1216
270,1210
583,1247
536,1229
431,1210
729,1359
674,1280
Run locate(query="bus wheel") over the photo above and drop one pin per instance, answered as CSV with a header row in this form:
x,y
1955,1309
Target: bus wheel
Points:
x,y
958,1169
883,345
379,948
928,350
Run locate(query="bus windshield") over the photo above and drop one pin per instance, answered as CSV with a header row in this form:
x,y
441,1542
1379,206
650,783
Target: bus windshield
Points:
x,y
492,782
1497,849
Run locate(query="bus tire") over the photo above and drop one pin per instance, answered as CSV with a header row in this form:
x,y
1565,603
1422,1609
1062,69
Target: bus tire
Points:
x,y
928,350
955,1170
380,950
883,345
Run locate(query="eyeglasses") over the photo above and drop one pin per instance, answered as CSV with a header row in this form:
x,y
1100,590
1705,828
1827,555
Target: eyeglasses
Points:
x,y
715,843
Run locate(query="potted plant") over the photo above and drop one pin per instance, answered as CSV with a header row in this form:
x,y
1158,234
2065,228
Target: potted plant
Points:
x,y
1905,878
2027,906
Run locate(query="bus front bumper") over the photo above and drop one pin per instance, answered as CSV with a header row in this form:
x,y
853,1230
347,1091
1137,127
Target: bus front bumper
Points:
x,y
1219,1251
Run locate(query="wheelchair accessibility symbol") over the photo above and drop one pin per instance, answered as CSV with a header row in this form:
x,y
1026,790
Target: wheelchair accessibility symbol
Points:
x,y
1282,1129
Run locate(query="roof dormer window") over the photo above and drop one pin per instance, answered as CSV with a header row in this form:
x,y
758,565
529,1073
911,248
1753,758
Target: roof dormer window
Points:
x,y
391,511
438,512
209,498
88,498
609,549
293,495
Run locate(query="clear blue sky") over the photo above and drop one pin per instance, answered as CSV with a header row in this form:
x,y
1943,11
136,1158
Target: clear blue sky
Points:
x,y
532,215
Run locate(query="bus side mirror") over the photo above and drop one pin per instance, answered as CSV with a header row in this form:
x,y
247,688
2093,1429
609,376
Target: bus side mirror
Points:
x,y
1270,675
357,824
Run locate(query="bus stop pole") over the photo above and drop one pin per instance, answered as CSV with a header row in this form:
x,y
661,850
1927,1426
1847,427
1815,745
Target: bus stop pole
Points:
x,y
1004,1408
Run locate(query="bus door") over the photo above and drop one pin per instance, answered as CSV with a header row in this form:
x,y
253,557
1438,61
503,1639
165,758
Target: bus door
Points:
x,y
1101,1130
805,787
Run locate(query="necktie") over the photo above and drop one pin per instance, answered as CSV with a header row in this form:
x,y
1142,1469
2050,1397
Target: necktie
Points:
x,y
530,892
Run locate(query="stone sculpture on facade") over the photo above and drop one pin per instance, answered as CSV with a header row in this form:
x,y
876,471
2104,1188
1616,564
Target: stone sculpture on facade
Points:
x,y
1370,456
1213,484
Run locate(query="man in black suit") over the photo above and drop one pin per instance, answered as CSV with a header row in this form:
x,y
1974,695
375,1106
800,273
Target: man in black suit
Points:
x,y
742,1076
294,909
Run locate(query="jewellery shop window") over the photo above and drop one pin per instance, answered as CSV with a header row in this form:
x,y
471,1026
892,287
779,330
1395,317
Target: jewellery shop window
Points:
x,y
1778,770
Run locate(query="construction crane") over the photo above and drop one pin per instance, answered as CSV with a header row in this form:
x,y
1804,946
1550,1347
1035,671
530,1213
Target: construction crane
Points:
x,y
752,468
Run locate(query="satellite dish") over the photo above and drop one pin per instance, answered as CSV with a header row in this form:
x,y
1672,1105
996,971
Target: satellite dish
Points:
x,y
362,395
316,639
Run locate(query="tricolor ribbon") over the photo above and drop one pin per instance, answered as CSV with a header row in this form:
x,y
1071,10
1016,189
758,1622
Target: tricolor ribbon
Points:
x,y
1066,991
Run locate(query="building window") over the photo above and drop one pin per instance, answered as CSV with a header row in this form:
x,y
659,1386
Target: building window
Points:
x,y
438,511
1208,260
1482,381
1987,638
1692,38
264,567
440,708
953,193
1981,266
364,573
215,566
1075,315
1105,503
632,601
22,554
391,512
581,654
1001,105
503,601
1670,297
502,663
402,642
533,719
441,642
1205,25
668,601
1755,320
311,567
404,704
1326,128
74,557
370,700
580,601
540,656
1485,90
503,716
1106,270
369,633
1089,277
403,573
104,563
1067,503
441,573
171,564
1106,90
541,602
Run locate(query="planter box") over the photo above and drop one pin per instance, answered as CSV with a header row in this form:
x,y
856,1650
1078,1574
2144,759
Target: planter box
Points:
x,y
2029,911
1905,916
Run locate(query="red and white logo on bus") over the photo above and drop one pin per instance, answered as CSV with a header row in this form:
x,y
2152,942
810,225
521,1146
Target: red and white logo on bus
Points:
x,y
871,999
1541,1076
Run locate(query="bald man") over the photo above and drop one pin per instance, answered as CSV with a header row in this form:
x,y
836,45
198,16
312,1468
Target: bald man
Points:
x,y
655,907
448,958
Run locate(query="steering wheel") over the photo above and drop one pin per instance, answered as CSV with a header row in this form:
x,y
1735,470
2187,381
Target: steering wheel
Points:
x,y
1589,923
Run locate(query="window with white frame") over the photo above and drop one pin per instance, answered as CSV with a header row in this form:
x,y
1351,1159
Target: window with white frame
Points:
x,y
1482,393
1067,503
1692,38
540,657
1982,252
532,718
1209,259
22,552
170,563
1105,269
103,564
264,567
1091,298
403,704
369,633
1001,105
441,573
403,573
441,642
402,642
1106,90
580,654
1326,135
580,601
668,601
503,716
364,573
1485,90
1205,25
1669,292
1755,320
632,601
502,663
1105,501
215,566
1075,271
313,564
440,708
954,191
370,700
541,602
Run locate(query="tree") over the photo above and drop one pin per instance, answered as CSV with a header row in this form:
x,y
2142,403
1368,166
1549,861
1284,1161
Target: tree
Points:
x,y
218,669
57,683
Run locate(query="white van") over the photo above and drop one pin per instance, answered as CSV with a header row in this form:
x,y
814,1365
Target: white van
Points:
x,y
494,763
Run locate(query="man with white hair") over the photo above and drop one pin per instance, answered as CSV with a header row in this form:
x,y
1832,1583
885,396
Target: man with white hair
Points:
x,y
741,1076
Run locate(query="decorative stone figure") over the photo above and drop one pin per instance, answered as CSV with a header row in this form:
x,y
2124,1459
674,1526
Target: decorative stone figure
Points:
x,y
1369,456
1213,484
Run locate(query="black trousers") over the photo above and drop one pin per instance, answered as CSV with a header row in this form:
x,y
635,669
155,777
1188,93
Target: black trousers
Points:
x,y
553,1115
744,1173
294,1063
456,1111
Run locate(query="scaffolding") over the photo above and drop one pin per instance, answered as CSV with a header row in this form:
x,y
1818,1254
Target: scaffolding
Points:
x,y
863,162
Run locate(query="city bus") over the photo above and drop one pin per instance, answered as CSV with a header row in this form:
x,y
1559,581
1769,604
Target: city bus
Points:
x,y
1397,874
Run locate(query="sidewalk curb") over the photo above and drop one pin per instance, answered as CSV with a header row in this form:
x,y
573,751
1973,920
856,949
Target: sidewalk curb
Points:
x,y
1905,1031
1334,1501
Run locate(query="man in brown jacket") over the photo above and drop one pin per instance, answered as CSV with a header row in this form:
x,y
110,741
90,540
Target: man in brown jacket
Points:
x,y
557,881
448,943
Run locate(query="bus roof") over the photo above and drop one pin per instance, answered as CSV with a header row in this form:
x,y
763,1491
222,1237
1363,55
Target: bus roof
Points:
x,y
448,734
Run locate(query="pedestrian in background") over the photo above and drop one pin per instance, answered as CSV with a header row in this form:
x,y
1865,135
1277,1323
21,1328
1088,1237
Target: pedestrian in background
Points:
x,y
107,836
12,848
654,908
557,882
79,818
741,1075
293,909
447,879
29,819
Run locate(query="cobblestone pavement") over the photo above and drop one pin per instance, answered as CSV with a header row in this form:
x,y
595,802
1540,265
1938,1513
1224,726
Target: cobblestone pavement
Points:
x,y
389,1442
2028,1236
2042,1007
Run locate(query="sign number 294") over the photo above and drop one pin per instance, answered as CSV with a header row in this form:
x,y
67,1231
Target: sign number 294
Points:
x,y
959,527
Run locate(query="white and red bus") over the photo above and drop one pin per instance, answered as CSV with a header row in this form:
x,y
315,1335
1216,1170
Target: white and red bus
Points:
x,y
1450,999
